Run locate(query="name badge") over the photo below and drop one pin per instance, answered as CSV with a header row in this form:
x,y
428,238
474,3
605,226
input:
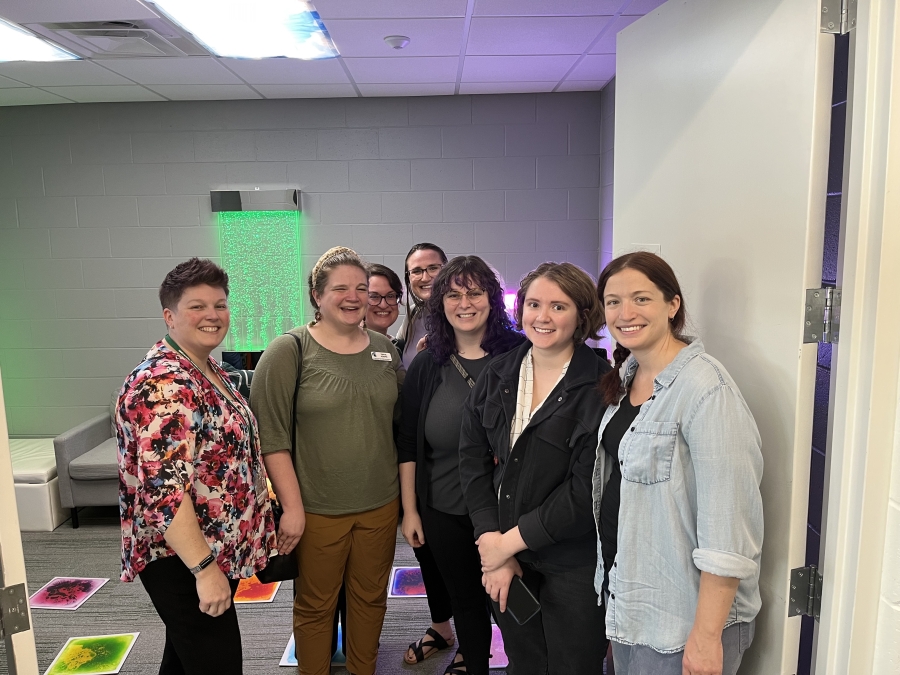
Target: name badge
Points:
x,y
381,356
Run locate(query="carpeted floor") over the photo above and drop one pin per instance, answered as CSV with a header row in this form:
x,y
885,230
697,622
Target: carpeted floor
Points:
x,y
93,551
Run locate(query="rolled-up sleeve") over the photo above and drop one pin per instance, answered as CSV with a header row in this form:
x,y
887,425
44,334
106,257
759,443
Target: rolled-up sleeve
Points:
x,y
725,451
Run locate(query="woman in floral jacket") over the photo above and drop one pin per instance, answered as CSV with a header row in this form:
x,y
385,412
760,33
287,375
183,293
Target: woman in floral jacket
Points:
x,y
194,506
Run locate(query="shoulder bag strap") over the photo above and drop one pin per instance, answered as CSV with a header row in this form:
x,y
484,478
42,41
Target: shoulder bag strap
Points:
x,y
296,394
462,371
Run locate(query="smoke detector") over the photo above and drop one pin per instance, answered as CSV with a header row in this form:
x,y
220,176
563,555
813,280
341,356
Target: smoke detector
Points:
x,y
397,41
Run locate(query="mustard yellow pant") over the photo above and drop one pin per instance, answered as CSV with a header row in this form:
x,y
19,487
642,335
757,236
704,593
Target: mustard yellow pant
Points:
x,y
357,550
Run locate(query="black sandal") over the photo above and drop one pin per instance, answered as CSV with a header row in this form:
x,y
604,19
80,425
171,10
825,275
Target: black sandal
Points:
x,y
456,667
436,643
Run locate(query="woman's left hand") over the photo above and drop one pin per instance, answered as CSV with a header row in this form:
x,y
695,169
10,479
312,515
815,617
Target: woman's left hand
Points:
x,y
702,654
492,552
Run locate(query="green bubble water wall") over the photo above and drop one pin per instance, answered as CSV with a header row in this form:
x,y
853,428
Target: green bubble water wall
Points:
x,y
261,253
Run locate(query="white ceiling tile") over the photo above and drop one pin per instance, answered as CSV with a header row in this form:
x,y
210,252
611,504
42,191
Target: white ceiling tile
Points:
x,y
163,70
505,87
367,9
516,68
642,6
287,71
544,8
103,94
28,96
413,69
533,35
5,83
598,67
607,44
422,89
583,85
305,90
204,92
428,37
60,73
34,11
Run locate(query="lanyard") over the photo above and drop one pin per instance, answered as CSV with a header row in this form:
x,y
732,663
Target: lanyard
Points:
x,y
239,407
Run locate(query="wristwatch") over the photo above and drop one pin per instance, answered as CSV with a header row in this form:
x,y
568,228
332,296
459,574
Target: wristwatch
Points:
x,y
203,564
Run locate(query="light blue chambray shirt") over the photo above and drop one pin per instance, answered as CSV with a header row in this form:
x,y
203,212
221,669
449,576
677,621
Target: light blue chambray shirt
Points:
x,y
690,502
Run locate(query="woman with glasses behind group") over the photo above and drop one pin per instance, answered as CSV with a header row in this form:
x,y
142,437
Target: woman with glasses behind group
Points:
x,y
423,262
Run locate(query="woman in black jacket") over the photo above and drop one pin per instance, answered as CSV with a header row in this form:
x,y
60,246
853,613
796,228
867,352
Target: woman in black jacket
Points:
x,y
527,448
467,327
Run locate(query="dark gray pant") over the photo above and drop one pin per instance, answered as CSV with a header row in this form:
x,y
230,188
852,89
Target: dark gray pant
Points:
x,y
567,636
640,660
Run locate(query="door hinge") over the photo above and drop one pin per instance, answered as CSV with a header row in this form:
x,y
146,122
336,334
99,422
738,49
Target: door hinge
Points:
x,y
838,16
823,315
806,592
13,610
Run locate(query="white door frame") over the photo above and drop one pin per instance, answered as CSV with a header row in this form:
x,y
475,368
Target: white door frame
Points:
x,y
23,658
866,370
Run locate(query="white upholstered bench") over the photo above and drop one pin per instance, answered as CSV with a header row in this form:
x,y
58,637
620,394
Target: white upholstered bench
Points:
x,y
36,484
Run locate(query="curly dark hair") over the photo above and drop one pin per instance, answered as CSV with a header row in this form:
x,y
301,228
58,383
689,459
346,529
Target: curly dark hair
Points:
x,y
468,271
193,272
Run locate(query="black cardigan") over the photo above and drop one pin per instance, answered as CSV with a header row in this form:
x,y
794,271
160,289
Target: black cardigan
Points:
x,y
545,486
422,380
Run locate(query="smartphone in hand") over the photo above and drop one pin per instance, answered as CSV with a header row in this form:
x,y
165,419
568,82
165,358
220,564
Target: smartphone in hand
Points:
x,y
520,602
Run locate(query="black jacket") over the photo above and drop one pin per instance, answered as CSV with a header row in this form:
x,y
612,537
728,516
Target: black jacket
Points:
x,y
544,487
422,380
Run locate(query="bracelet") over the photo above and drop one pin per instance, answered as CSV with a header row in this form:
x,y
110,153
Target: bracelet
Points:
x,y
203,564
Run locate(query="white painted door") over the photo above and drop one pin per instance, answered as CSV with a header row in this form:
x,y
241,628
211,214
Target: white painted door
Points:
x,y
722,130
21,657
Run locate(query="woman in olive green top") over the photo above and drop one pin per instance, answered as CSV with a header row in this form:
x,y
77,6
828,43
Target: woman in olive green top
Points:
x,y
340,497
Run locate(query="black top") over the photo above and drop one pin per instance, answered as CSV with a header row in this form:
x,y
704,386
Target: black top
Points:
x,y
422,379
609,503
442,422
544,486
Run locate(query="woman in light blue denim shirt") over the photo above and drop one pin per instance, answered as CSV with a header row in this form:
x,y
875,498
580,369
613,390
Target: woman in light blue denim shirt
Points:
x,y
683,590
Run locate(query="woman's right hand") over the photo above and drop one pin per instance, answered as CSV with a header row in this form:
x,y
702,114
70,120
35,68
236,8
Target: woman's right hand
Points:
x,y
411,527
214,591
496,583
290,529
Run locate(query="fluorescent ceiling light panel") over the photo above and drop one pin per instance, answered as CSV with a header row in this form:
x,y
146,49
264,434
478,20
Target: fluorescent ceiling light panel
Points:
x,y
17,44
248,29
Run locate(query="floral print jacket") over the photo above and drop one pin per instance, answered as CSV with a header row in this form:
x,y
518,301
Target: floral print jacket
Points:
x,y
176,432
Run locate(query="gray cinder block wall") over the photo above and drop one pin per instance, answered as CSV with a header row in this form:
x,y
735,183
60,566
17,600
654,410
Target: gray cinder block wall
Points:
x,y
99,201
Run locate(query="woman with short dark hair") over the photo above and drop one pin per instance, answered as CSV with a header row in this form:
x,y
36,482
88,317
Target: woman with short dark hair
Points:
x,y
194,506
467,327
527,449
385,295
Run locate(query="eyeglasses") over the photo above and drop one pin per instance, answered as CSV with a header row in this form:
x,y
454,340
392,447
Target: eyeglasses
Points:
x,y
417,272
455,297
391,299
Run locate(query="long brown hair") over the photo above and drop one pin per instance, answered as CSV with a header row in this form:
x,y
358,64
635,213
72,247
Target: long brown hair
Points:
x,y
660,275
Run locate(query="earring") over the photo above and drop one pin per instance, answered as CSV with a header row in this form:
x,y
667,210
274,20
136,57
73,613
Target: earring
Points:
x,y
318,316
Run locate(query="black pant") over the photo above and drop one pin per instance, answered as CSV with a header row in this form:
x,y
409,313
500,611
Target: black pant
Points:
x,y
567,635
196,643
452,538
438,596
